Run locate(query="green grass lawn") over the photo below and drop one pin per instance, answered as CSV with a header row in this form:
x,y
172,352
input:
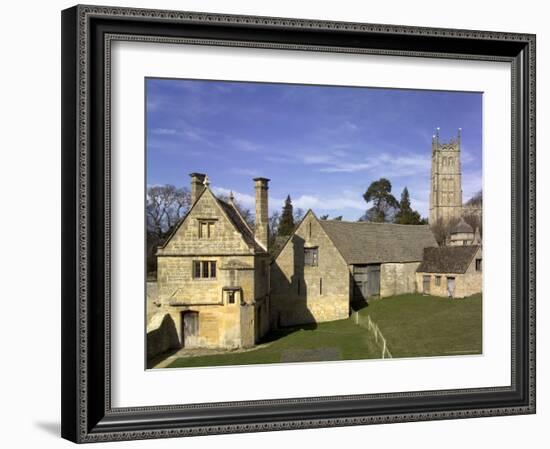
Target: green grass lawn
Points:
x,y
416,325
335,340
413,325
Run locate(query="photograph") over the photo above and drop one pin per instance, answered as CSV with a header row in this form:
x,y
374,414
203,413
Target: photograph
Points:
x,y
339,210
310,223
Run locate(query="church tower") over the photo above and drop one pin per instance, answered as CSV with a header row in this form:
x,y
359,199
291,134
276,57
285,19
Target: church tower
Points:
x,y
446,185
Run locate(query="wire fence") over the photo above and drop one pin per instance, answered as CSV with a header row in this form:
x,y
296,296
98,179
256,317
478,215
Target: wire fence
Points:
x,y
367,323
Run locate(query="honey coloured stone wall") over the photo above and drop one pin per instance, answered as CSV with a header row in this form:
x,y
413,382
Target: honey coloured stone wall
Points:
x,y
466,284
219,244
398,278
302,293
221,239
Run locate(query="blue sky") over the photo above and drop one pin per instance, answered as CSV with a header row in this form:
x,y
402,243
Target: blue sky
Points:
x,y
323,145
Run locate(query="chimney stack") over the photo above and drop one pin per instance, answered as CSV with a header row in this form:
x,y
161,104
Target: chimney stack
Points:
x,y
197,186
261,228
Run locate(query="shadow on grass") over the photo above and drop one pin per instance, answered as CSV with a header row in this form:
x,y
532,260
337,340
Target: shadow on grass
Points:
x,y
277,334
358,304
151,362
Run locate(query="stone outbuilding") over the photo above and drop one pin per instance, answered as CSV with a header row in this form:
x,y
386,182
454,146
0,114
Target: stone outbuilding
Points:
x,y
326,266
451,271
463,234
213,272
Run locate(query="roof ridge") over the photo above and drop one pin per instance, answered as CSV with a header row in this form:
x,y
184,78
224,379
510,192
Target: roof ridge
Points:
x,y
369,223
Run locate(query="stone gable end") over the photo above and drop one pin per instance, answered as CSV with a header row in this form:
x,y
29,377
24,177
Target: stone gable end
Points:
x,y
305,294
225,239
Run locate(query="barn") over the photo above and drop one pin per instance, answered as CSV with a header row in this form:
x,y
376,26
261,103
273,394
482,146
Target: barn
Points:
x,y
327,266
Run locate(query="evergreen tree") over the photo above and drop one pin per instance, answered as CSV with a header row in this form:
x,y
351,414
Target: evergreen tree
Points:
x,y
406,215
286,223
384,203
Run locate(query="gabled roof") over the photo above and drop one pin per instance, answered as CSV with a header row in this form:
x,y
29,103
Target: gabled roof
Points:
x,y
234,217
447,259
367,242
240,225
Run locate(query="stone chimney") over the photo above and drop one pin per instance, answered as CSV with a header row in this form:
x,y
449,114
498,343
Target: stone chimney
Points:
x,y
261,228
197,185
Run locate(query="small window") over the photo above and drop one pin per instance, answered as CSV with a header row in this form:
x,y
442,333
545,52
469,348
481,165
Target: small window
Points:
x,y
206,229
320,286
231,297
438,280
204,269
478,264
311,257
196,269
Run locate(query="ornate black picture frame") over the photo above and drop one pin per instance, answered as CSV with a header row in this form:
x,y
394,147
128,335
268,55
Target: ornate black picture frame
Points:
x,y
87,34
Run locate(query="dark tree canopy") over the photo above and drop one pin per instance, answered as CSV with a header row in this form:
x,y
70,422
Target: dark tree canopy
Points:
x,y
384,203
286,222
405,214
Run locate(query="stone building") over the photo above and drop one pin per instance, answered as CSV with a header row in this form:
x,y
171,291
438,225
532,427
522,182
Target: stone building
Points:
x,y
446,180
326,265
450,271
463,234
213,272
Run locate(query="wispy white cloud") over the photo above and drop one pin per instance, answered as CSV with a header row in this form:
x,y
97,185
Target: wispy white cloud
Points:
x,y
241,144
347,167
328,203
164,131
245,171
383,163
245,199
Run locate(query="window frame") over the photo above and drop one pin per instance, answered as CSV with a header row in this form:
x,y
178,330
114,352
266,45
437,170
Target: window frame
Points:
x,y
211,268
314,251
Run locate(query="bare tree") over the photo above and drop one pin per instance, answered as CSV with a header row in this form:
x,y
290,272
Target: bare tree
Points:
x,y
475,221
442,230
166,205
298,215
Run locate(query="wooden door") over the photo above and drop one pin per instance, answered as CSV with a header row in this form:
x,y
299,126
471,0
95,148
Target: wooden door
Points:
x,y
451,286
373,280
190,329
426,283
